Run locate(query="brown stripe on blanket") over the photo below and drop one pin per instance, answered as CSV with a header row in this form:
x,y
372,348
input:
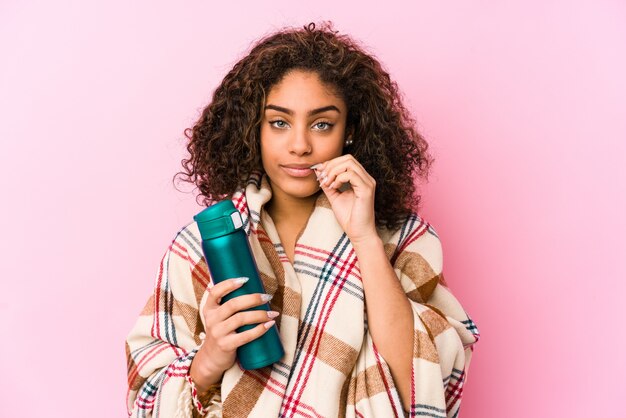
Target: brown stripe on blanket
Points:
x,y
191,316
390,249
245,394
322,201
138,380
285,300
434,322
367,384
417,269
201,276
424,347
272,256
270,283
148,310
437,311
442,280
199,271
424,342
333,351
343,398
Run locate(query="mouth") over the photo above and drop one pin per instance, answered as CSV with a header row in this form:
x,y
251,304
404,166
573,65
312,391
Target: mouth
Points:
x,y
297,171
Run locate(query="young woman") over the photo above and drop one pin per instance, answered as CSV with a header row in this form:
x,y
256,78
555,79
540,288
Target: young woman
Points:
x,y
309,138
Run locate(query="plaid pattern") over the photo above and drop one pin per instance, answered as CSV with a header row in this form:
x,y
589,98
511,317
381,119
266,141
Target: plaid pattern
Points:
x,y
331,367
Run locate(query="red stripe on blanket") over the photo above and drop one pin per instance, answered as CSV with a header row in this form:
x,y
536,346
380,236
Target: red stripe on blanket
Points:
x,y
319,330
307,407
355,272
411,409
262,382
382,375
155,330
268,377
413,235
177,369
276,392
191,261
265,238
454,392
178,253
147,357
203,278
238,202
326,254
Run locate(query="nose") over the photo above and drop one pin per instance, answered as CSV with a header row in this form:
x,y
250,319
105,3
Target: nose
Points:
x,y
299,142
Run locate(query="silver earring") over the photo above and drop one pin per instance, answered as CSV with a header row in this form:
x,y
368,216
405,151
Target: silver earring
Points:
x,y
348,142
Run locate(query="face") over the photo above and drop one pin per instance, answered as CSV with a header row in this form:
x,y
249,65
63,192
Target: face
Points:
x,y
303,124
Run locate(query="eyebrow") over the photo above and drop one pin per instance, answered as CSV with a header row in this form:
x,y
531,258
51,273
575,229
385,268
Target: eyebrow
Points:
x,y
310,113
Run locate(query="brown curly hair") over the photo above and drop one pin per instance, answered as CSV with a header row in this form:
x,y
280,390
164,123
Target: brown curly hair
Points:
x,y
224,143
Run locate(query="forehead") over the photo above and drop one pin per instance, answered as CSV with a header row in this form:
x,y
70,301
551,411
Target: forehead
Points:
x,y
300,89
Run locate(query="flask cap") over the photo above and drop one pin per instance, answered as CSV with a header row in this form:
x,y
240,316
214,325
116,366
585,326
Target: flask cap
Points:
x,y
218,219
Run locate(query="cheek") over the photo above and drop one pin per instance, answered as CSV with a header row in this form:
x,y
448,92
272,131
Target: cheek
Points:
x,y
334,150
263,145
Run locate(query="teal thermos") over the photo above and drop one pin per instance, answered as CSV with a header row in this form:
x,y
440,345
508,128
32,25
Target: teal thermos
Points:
x,y
228,255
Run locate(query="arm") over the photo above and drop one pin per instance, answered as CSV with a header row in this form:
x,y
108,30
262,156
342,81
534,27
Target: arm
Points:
x,y
439,344
387,304
443,334
164,340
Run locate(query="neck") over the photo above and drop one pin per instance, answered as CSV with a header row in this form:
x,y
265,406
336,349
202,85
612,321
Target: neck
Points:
x,y
284,207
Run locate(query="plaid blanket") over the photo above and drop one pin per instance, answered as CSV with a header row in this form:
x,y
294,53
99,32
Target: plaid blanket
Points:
x,y
331,367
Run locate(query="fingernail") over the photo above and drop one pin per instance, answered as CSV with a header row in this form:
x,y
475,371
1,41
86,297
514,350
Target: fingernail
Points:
x,y
269,324
265,297
315,166
241,280
272,314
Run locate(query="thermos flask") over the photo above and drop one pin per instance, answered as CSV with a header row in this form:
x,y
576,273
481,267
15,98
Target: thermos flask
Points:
x,y
228,255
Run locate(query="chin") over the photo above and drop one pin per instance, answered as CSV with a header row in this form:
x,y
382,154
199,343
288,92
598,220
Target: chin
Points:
x,y
295,187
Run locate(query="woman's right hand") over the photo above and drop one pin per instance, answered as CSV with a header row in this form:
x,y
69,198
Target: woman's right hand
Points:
x,y
218,352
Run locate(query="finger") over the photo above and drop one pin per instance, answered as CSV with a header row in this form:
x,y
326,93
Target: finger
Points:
x,y
327,165
343,159
359,185
218,291
329,175
247,318
240,303
235,340
340,164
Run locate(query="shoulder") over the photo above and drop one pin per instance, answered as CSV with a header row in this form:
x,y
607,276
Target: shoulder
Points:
x,y
415,236
183,270
187,243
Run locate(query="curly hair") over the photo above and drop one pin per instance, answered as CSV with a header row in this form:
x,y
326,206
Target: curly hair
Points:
x,y
385,140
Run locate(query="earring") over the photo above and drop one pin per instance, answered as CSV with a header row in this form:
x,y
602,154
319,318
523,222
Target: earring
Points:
x,y
348,142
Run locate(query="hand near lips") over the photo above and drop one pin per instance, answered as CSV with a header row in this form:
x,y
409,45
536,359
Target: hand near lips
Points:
x,y
353,208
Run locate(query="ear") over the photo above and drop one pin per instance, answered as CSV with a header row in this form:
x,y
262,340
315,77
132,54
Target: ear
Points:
x,y
349,132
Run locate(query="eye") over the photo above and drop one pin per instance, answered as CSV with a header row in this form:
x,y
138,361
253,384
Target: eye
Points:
x,y
323,126
280,124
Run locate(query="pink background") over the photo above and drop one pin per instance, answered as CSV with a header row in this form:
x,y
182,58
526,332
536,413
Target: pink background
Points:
x,y
524,104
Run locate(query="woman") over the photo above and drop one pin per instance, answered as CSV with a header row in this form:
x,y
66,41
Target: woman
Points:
x,y
308,136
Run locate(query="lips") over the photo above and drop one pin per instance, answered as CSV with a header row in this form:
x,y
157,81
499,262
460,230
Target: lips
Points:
x,y
297,170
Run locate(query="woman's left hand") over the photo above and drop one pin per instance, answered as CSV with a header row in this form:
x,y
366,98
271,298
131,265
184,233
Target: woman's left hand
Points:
x,y
354,207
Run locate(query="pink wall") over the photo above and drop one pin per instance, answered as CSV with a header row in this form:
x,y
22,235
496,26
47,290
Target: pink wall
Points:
x,y
523,102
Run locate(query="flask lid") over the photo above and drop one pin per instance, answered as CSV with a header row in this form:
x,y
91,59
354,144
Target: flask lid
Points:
x,y
218,219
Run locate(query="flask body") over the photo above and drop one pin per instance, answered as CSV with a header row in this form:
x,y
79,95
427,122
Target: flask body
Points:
x,y
228,255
